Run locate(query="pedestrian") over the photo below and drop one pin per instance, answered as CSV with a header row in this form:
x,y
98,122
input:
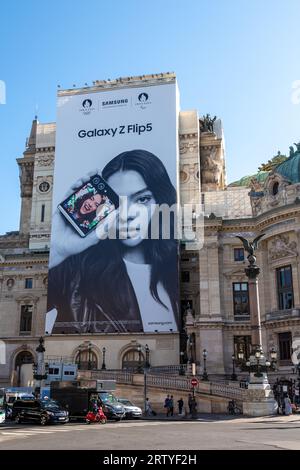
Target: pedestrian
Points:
x,y
194,408
287,405
148,408
190,403
171,406
180,406
167,404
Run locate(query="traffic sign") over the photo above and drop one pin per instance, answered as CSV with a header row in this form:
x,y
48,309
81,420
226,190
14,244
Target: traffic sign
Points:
x,y
194,382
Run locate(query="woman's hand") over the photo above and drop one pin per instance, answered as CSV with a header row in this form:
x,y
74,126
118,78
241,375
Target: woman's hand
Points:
x,y
65,241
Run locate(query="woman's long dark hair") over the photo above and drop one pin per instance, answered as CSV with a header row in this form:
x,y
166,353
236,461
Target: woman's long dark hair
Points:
x,y
77,206
107,268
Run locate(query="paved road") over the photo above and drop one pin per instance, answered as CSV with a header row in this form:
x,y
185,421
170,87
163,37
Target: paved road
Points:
x,y
278,432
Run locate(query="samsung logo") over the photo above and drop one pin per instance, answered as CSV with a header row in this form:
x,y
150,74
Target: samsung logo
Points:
x,y
114,102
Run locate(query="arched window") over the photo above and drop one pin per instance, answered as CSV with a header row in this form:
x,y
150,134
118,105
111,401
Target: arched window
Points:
x,y
133,359
23,370
275,188
86,359
24,357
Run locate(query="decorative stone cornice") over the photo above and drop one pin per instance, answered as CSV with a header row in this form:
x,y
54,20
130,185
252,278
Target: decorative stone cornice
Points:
x,y
45,160
188,136
122,82
45,149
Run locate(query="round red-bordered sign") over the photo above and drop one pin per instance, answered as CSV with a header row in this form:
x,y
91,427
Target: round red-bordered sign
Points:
x,y
194,382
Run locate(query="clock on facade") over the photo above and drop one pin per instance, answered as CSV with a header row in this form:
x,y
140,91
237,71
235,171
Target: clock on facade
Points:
x,y
44,187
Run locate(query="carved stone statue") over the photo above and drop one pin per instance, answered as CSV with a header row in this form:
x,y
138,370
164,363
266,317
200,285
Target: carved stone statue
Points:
x,y
298,147
281,247
250,247
208,123
292,151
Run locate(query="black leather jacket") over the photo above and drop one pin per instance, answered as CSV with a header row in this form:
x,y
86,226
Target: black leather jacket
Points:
x,y
82,311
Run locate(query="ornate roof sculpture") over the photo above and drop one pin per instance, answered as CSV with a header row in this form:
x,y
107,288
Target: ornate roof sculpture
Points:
x,y
290,168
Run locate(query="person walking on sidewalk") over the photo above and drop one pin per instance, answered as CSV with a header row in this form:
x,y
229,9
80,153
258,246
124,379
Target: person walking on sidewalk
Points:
x,y
287,405
148,408
190,403
171,406
167,404
180,406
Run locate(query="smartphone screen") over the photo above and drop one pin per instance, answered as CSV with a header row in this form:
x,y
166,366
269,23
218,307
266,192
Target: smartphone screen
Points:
x,y
89,204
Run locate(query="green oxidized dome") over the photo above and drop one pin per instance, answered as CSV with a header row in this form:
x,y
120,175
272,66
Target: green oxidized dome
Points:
x,y
290,168
261,176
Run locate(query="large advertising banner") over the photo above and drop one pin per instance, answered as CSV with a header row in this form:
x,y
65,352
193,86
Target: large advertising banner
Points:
x,y
113,265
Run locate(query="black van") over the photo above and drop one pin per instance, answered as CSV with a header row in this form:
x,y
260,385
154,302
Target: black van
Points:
x,y
39,411
78,400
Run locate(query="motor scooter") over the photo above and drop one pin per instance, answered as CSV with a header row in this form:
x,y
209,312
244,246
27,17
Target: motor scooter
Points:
x,y
96,417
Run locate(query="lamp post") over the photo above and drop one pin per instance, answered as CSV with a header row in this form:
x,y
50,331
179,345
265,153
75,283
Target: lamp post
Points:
x,y
147,351
233,375
103,367
181,370
79,356
39,371
257,364
204,375
146,368
89,356
140,358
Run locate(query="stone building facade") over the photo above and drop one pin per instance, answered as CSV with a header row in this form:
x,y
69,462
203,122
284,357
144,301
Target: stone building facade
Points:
x,y
214,290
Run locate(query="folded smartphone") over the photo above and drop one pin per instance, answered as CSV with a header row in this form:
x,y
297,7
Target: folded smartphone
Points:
x,y
89,204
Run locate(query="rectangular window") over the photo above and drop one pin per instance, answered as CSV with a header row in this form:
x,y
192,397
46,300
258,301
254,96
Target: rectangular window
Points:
x,y
185,276
43,213
285,346
53,371
239,254
28,283
285,287
242,343
240,300
26,319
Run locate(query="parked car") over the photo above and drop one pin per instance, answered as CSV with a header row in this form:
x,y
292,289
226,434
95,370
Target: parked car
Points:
x,y
40,411
131,410
2,415
12,398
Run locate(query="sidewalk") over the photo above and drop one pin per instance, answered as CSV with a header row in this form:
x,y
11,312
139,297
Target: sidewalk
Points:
x,y
189,417
205,417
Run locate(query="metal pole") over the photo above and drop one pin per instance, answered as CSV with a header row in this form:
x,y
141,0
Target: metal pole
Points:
x,y
145,390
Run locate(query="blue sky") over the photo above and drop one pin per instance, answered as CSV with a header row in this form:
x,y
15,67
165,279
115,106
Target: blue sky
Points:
x,y
236,59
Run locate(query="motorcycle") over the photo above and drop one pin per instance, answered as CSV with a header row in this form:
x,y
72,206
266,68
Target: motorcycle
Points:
x,y
96,417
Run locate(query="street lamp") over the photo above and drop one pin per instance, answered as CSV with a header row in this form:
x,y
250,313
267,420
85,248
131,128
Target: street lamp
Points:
x,y
257,357
103,367
147,351
140,358
241,355
204,375
233,375
89,356
39,372
80,347
273,355
191,344
181,370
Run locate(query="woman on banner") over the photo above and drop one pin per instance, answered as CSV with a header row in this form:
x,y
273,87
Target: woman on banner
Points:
x,y
125,284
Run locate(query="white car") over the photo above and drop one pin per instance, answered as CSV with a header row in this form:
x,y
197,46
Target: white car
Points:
x,y
131,411
2,415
